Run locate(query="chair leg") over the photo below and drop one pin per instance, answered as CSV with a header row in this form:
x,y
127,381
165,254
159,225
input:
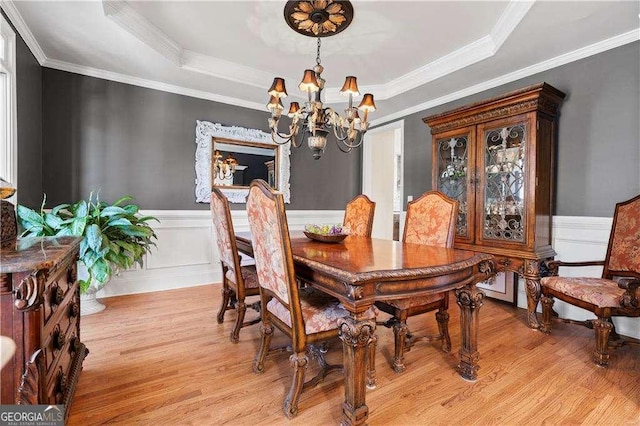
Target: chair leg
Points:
x,y
371,368
226,294
241,309
400,330
547,313
443,328
601,354
299,362
266,330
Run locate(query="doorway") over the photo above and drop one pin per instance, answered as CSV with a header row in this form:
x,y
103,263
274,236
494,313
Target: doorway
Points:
x,y
382,177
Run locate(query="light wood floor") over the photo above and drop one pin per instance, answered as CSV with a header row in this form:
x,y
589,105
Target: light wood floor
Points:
x,y
161,359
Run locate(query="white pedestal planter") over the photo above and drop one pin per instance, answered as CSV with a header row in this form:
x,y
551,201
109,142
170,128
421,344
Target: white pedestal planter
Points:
x,y
88,302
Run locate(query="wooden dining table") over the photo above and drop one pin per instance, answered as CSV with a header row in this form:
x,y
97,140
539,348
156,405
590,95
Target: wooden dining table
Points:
x,y
360,271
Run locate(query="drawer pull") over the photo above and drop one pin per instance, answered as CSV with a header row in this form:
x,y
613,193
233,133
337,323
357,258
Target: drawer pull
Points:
x,y
57,295
73,345
59,339
504,262
61,386
74,310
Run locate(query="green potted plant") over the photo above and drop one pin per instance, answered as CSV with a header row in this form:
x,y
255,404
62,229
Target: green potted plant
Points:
x,y
115,238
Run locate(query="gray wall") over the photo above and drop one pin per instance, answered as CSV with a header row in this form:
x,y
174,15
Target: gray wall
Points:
x,y
125,139
598,151
29,117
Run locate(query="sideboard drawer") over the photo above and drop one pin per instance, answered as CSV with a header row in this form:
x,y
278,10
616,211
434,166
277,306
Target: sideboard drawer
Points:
x,y
56,289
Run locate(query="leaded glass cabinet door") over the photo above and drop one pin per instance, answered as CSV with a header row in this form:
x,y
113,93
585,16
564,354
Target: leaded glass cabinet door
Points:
x,y
453,176
502,160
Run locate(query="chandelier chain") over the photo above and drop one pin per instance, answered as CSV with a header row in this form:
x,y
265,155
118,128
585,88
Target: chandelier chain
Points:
x,y
318,53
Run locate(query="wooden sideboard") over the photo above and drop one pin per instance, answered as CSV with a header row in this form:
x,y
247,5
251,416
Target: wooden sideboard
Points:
x,y
41,312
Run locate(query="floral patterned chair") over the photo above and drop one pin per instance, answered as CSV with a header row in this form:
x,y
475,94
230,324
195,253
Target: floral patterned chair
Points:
x,y
431,220
238,282
614,294
358,216
307,317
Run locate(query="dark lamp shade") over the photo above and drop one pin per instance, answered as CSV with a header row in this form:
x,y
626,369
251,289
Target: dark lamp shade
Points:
x,y
275,104
367,103
350,86
309,82
278,88
293,109
231,160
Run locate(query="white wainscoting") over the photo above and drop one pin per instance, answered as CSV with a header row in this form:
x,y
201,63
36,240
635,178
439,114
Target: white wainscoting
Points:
x,y
186,255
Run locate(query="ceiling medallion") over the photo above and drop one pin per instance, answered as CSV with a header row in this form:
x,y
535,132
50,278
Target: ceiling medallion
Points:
x,y
318,18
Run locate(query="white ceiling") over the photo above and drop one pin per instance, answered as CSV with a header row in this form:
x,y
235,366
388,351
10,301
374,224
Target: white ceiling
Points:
x,y
410,55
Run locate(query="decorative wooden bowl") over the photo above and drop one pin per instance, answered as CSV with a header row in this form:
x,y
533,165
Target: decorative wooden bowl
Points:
x,y
325,238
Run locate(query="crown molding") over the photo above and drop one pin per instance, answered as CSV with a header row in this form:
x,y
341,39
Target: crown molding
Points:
x,y
230,71
141,28
479,50
16,19
137,25
508,21
584,52
150,84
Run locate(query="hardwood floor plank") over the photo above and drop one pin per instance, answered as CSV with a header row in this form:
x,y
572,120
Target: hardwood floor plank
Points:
x,y
162,359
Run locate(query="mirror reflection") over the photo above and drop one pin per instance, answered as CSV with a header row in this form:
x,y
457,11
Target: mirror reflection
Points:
x,y
230,157
236,163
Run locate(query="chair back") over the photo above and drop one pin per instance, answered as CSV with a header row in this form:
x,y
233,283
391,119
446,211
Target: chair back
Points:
x,y
226,240
431,220
358,216
623,253
272,246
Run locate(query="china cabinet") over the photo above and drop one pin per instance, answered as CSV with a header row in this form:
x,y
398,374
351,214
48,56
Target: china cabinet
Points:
x,y
496,158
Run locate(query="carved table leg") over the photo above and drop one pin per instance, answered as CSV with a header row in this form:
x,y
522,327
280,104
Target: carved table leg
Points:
x,y
532,277
470,300
356,336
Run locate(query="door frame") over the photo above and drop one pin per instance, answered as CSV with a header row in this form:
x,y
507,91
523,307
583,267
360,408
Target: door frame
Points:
x,y
366,163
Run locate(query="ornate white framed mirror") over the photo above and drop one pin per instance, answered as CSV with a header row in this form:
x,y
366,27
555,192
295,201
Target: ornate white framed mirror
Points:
x,y
255,156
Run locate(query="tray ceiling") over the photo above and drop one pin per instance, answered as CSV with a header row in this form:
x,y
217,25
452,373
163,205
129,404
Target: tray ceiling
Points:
x,y
411,55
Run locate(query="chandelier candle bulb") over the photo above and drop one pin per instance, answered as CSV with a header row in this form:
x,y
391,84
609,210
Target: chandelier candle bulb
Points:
x,y
314,118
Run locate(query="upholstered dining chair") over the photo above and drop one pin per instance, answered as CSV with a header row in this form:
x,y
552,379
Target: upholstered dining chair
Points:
x,y
238,282
614,294
431,220
358,216
308,317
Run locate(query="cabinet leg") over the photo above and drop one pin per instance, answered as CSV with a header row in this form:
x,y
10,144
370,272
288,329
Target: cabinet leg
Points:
x,y
532,278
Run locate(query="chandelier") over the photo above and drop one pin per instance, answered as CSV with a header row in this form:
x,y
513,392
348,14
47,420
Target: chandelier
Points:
x,y
223,169
319,18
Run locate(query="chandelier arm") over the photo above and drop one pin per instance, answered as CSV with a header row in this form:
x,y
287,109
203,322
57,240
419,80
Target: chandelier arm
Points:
x,y
284,139
346,147
359,138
